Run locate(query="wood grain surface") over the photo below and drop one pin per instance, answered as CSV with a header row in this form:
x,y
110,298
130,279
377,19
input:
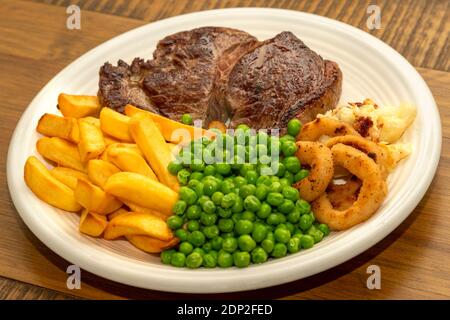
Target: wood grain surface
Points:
x,y
35,45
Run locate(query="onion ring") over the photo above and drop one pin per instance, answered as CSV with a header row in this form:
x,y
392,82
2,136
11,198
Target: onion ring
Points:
x,y
372,193
320,160
371,149
342,196
313,130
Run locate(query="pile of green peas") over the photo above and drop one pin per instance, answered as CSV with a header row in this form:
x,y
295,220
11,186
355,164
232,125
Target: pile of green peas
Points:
x,y
234,213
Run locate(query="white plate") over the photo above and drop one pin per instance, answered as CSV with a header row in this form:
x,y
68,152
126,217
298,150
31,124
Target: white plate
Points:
x,y
371,69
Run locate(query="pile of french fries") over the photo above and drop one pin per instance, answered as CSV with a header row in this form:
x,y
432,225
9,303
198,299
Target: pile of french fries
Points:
x,y
110,168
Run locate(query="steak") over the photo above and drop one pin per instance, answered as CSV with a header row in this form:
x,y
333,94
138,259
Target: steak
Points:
x,y
216,73
279,80
186,71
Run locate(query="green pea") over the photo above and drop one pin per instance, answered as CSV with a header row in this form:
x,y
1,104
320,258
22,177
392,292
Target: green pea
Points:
x,y
281,217
217,198
181,234
217,242
279,250
294,126
303,173
242,127
246,243
275,198
196,238
193,225
289,177
240,181
275,187
224,259
274,146
306,241
228,200
251,176
259,232
287,137
177,259
224,213
288,148
282,235
273,219
324,228
293,245
243,227
196,176
227,235
188,195
284,183
287,206
209,206
209,261
211,231
236,217
186,248
274,179
198,188
264,211
166,256
290,227
294,216
226,225
245,168
202,199
193,183
208,219
209,170
183,176
187,119
303,206
252,203
179,207
210,186
227,187
174,167
229,244
315,233
197,166
175,222
247,190
248,215
199,251
290,193
259,255
193,212
223,168
261,192
264,180
238,206
207,247
194,260
267,245
241,259
292,164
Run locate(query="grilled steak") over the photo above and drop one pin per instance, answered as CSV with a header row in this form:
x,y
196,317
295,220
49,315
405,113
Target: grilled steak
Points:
x,y
187,69
279,80
217,73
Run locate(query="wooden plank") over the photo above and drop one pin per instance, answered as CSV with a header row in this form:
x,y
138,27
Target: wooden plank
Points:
x,y
418,29
414,259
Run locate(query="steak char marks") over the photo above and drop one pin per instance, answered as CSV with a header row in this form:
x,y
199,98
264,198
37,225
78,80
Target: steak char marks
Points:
x,y
217,73
279,80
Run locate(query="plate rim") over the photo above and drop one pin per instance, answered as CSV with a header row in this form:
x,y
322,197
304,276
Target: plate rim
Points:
x,y
108,272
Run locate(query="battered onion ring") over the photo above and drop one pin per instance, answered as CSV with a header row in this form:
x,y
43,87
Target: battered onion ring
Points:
x,y
342,196
312,131
320,160
371,195
373,150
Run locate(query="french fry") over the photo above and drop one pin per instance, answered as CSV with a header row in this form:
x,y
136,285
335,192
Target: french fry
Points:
x,y
99,171
131,146
171,130
117,213
92,224
60,151
77,106
92,120
151,245
142,191
150,140
136,223
129,160
115,124
92,143
68,176
110,140
137,208
55,126
95,199
48,188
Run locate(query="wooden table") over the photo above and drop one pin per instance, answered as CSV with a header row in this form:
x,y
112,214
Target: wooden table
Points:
x,y
35,45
